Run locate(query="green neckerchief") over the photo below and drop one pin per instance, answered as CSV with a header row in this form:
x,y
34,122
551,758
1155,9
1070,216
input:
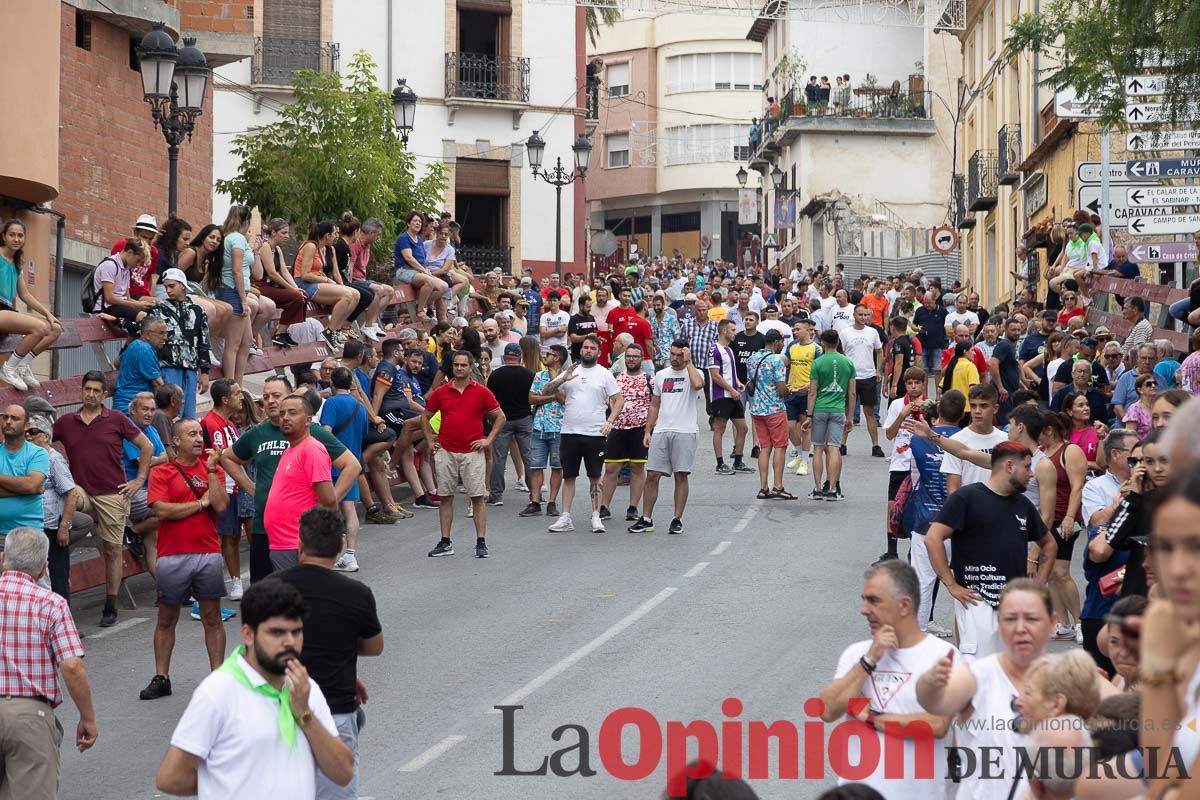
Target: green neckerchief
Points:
x,y
287,722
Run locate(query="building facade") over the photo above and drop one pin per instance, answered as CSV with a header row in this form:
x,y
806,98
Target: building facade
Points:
x,y
860,174
488,74
87,148
677,94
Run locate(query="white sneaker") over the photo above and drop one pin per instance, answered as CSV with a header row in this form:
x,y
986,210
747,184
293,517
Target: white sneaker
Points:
x,y
794,462
522,486
347,563
597,523
375,332
235,589
563,524
470,510
939,630
1064,632
212,359
1078,634
26,373
12,378
802,467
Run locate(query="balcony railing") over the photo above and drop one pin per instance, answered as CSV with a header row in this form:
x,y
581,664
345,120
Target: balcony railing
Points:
x,y
277,60
958,203
981,180
484,77
483,258
1008,149
858,104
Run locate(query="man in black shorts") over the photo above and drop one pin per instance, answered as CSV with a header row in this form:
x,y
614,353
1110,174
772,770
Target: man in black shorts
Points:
x,y
378,439
725,399
626,441
396,397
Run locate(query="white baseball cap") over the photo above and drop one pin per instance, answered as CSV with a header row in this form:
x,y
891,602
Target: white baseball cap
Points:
x,y
175,274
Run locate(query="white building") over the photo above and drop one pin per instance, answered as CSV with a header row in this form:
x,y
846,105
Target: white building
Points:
x,y
679,91
487,73
865,176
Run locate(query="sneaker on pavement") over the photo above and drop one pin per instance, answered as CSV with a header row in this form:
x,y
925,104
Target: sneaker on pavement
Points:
x,y
940,631
886,557
676,526
424,502
725,469
495,500
552,509
195,609
108,617
562,524
347,563
842,449
481,550
235,589
523,486
531,510
794,462
643,525
1078,633
816,494
604,513
740,466
470,510
802,467
379,517
444,547
1064,633
754,451
631,514
26,373
836,494
12,378
877,451
160,686
597,523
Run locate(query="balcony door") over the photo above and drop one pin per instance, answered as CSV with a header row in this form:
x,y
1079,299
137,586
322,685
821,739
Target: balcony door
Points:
x,y
481,192
484,47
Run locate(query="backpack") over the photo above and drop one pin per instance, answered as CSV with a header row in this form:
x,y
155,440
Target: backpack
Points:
x,y
88,295
896,527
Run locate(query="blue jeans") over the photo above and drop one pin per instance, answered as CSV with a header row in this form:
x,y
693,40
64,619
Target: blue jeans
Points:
x,y
1181,308
186,380
348,726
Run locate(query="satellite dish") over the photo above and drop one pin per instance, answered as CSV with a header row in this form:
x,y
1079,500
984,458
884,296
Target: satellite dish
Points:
x,y
604,243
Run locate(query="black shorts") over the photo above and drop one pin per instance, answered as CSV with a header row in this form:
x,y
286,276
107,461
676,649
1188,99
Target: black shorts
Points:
x,y
375,436
626,446
126,318
867,391
395,420
727,408
574,447
895,478
1066,547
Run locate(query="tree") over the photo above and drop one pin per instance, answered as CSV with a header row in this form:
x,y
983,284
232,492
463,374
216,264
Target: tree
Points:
x,y
333,148
595,17
1093,44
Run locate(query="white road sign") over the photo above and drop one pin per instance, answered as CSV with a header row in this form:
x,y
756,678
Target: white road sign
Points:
x,y
1142,85
1089,172
1143,113
1162,196
1176,223
1119,213
1067,105
1143,141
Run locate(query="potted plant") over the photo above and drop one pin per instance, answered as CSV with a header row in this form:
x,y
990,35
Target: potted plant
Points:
x,y
789,69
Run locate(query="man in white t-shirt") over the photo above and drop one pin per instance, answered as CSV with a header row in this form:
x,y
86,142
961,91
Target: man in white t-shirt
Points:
x,y
604,304
553,324
961,315
861,344
911,403
671,434
876,682
841,313
234,740
979,435
592,402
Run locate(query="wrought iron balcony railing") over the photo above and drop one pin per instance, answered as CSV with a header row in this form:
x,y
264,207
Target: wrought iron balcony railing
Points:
x,y
1008,149
958,203
483,258
981,180
277,60
484,77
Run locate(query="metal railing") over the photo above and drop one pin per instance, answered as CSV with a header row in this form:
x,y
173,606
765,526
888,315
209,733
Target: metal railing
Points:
x,y
484,77
981,180
277,60
874,104
483,258
958,203
1008,149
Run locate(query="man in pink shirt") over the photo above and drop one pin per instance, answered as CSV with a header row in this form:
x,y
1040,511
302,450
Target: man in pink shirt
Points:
x,y
303,479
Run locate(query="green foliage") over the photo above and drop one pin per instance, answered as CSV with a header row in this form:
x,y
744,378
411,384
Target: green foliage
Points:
x,y
333,148
790,69
594,17
1089,45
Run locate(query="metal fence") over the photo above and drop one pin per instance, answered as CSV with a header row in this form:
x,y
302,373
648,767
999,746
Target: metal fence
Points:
x,y
277,60
485,258
474,75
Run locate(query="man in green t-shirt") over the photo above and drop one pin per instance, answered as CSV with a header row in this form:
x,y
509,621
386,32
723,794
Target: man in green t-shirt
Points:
x,y
831,393
262,446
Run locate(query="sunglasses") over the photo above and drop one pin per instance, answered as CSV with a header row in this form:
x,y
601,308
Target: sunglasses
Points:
x,y
34,431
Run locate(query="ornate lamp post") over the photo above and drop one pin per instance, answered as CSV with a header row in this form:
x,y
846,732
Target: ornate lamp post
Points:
x,y
558,177
404,108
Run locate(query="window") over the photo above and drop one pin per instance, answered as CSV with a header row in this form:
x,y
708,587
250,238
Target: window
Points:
x,y
700,144
83,30
703,72
989,30
618,80
741,152
618,150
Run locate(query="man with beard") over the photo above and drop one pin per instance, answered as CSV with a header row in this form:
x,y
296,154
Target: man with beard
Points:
x,y
258,722
186,494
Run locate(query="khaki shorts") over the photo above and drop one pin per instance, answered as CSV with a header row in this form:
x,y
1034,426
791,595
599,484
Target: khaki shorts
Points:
x,y
111,512
468,468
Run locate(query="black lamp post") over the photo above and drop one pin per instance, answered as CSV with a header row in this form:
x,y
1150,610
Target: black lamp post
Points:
x,y
558,178
742,176
404,108
173,83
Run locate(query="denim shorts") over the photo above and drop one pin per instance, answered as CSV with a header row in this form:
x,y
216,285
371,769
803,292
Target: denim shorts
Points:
x,y
932,357
229,295
405,274
543,450
309,289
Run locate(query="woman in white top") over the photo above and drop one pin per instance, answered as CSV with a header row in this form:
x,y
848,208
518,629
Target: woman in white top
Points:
x,y
440,260
983,695
1169,673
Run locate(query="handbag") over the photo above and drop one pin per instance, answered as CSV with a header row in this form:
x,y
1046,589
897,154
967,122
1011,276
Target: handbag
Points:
x,y
752,381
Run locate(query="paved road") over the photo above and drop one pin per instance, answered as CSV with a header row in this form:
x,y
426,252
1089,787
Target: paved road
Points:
x,y
755,601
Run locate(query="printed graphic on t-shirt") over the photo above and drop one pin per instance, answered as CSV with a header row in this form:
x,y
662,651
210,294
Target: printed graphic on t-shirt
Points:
x,y
886,685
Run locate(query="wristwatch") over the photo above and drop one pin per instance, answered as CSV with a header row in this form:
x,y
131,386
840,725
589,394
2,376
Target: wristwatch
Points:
x,y
304,719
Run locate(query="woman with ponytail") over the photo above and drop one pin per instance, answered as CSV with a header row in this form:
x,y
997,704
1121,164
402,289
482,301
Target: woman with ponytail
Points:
x,y
1070,473
961,372
276,283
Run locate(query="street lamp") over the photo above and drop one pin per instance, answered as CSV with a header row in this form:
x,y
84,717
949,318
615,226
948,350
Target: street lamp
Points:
x,y
777,176
404,108
742,176
558,177
173,83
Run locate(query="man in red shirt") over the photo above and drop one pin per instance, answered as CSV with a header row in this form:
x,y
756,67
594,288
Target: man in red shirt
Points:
x,y
187,494
144,276
459,446
625,319
220,433
963,334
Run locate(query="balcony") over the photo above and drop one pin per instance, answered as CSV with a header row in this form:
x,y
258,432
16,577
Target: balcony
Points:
x,y
1008,150
958,203
277,60
475,79
483,258
981,180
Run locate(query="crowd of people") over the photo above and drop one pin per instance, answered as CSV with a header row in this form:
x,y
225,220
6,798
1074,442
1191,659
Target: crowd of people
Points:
x,y
1010,434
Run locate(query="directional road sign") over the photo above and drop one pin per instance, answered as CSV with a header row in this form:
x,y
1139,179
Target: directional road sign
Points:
x,y
1067,105
1142,85
1090,172
1163,196
1160,252
1176,223
1143,113
1153,170
1162,140
1119,213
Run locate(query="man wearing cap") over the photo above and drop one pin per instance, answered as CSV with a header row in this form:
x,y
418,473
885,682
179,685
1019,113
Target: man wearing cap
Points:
x,y
142,277
533,303
772,322
510,383
183,353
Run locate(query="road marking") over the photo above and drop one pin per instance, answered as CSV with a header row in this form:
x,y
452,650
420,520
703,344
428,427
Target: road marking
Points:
x,y
432,753
745,520
120,626
696,570
721,548
568,662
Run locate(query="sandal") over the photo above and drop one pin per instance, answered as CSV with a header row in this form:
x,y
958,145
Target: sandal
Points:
x,y
782,494
764,494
